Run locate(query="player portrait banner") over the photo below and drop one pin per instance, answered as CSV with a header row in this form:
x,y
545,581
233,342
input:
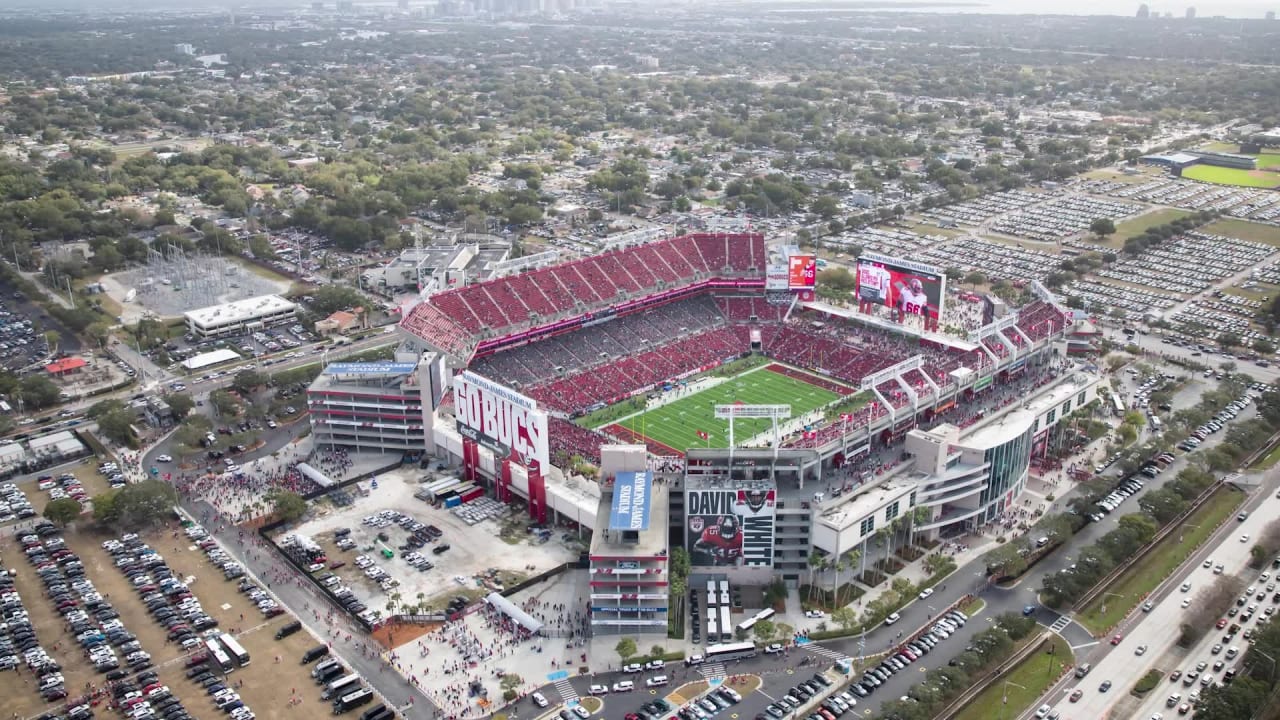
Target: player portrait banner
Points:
x,y
730,527
501,419
802,272
909,289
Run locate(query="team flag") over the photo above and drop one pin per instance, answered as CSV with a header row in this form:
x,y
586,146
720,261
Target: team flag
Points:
x,y
703,435
846,417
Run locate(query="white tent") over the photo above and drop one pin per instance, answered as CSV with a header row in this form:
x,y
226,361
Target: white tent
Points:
x,y
511,610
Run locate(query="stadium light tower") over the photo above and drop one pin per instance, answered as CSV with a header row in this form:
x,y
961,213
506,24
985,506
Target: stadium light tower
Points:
x,y
773,412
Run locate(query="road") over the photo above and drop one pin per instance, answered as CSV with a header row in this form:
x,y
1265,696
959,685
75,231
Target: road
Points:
x,y
1002,600
1158,630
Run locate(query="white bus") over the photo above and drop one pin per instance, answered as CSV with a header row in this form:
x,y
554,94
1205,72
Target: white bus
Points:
x,y
724,586
713,631
745,626
726,625
1118,403
234,649
1155,423
764,614
218,655
730,651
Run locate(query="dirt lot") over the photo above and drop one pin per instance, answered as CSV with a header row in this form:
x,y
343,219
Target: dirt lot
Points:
x,y
219,598
474,551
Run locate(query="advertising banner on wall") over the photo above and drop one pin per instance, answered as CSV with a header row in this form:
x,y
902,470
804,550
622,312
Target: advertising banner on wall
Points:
x,y
501,419
730,527
775,277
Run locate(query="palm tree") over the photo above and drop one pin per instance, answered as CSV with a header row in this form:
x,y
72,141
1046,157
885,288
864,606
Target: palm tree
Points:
x,y
816,560
883,534
844,562
918,514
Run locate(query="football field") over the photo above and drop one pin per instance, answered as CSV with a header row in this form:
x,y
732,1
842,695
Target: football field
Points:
x,y
678,423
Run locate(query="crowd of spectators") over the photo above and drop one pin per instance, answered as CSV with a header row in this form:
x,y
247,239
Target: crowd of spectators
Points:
x,y
585,369
583,349
567,439
625,376
1040,319
496,306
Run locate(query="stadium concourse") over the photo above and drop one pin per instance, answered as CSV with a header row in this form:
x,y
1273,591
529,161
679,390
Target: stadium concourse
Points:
x,y
594,332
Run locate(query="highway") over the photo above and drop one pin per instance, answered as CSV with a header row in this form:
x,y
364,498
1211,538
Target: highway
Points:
x,y
1159,629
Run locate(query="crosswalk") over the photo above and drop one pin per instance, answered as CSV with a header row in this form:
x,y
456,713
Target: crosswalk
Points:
x,y
824,652
1060,624
713,670
565,688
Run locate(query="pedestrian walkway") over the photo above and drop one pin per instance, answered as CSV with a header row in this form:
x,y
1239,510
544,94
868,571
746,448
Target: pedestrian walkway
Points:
x,y
565,688
1060,624
714,670
823,651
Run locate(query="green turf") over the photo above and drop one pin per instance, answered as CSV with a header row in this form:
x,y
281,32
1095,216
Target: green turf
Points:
x,y
1232,176
1143,577
1267,160
677,423
1026,683
1269,460
1130,228
1244,230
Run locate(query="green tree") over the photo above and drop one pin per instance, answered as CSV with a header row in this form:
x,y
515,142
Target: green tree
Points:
x,y
118,426
329,299
1102,227
824,206
224,403
287,506
62,511
845,617
625,648
39,391
246,381
180,403
763,630
135,506
975,278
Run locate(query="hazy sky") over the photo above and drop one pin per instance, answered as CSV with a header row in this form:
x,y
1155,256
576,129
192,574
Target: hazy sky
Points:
x,y
1229,8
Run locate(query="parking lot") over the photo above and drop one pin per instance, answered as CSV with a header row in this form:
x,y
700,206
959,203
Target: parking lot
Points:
x,y
120,626
1190,263
993,259
468,557
1261,205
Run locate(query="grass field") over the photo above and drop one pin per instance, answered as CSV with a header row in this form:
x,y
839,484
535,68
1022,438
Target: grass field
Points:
x,y
1245,230
1232,176
1266,462
677,423
1027,682
1265,159
1130,228
1158,564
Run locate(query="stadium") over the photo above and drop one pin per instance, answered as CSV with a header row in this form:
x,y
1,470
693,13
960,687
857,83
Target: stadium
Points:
x,y
649,358
595,333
